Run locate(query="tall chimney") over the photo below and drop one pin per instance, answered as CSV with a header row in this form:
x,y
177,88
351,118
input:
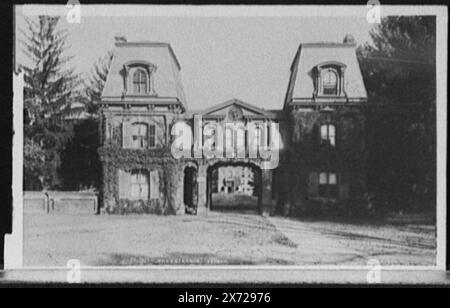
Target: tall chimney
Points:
x,y
349,39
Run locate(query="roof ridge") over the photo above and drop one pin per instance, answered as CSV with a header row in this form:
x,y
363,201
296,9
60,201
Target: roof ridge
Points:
x,y
140,42
151,43
327,44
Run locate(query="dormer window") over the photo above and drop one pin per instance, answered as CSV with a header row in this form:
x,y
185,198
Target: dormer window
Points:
x,y
330,79
140,82
329,82
139,78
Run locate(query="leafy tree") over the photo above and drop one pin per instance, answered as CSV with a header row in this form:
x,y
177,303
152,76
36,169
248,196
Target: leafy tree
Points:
x,y
399,70
80,163
48,94
34,157
400,65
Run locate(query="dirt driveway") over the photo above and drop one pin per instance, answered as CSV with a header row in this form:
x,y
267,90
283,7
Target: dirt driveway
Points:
x,y
218,239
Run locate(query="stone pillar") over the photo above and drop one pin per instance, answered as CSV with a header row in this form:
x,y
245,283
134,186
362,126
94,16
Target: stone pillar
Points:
x,y
266,192
180,208
341,81
46,203
202,208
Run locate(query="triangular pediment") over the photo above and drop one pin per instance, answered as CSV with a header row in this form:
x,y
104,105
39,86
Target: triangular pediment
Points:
x,y
236,108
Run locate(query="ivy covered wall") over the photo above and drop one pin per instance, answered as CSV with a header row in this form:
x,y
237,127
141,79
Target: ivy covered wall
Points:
x,y
115,158
295,182
306,157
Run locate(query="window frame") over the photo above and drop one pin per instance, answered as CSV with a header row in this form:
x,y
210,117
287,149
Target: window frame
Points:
x,y
151,136
143,140
328,138
335,87
142,180
327,189
334,67
140,83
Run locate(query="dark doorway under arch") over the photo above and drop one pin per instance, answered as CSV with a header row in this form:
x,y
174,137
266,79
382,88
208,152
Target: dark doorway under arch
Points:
x,y
234,186
190,189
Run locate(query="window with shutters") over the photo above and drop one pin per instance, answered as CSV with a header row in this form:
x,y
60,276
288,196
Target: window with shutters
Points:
x,y
328,187
328,134
139,185
139,135
124,184
154,184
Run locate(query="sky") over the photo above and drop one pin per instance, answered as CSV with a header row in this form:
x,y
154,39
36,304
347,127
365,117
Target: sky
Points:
x,y
221,57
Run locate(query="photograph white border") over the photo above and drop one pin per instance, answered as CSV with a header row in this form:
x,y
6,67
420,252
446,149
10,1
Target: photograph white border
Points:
x,y
14,242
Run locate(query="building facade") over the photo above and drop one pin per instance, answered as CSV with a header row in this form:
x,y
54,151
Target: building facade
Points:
x,y
319,131
234,180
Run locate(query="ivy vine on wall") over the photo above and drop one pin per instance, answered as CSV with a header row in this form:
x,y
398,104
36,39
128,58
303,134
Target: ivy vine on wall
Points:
x,y
115,158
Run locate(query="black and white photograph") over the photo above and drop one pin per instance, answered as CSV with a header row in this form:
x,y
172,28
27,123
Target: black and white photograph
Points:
x,y
196,138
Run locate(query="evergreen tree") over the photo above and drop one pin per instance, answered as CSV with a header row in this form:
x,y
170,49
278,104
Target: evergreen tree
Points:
x,y
400,64
96,82
48,94
399,70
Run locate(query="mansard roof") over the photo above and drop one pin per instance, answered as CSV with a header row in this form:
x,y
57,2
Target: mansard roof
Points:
x,y
311,55
159,56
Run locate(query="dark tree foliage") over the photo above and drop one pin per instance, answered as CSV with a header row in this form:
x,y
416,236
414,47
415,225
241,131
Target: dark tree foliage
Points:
x,y
81,167
80,163
400,65
399,71
48,94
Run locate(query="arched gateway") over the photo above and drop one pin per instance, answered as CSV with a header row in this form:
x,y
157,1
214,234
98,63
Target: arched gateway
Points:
x,y
234,186
237,179
208,187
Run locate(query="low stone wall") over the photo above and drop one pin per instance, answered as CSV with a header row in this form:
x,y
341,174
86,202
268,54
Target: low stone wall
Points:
x,y
67,202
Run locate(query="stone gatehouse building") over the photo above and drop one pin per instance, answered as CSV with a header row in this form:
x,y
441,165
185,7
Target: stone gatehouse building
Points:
x,y
321,128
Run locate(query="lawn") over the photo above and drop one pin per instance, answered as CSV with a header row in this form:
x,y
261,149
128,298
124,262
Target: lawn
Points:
x,y
221,238
150,239
225,201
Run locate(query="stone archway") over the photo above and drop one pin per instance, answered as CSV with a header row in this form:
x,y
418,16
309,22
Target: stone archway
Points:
x,y
244,187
